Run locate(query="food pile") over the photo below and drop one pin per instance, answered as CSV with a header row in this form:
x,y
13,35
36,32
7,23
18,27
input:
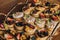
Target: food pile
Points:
x,y
33,22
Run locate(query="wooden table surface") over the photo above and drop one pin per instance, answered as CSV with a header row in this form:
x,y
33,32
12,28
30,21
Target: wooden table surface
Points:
x,y
56,36
6,5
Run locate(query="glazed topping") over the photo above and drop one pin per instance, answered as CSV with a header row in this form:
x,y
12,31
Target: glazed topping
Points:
x,y
18,15
31,26
9,22
19,24
42,33
47,4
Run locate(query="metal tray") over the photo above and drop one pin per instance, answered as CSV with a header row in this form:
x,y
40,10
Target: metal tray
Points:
x,y
18,7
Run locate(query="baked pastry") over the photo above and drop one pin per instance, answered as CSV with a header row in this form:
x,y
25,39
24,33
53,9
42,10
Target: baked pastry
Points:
x,y
18,16
33,23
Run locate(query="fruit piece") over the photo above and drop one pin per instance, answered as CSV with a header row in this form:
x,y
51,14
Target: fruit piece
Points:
x,y
9,37
54,17
1,25
42,33
18,36
9,19
42,15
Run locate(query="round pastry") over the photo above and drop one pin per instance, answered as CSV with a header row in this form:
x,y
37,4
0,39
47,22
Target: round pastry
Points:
x,y
30,20
42,33
18,16
19,26
40,23
35,13
55,8
30,29
10,21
